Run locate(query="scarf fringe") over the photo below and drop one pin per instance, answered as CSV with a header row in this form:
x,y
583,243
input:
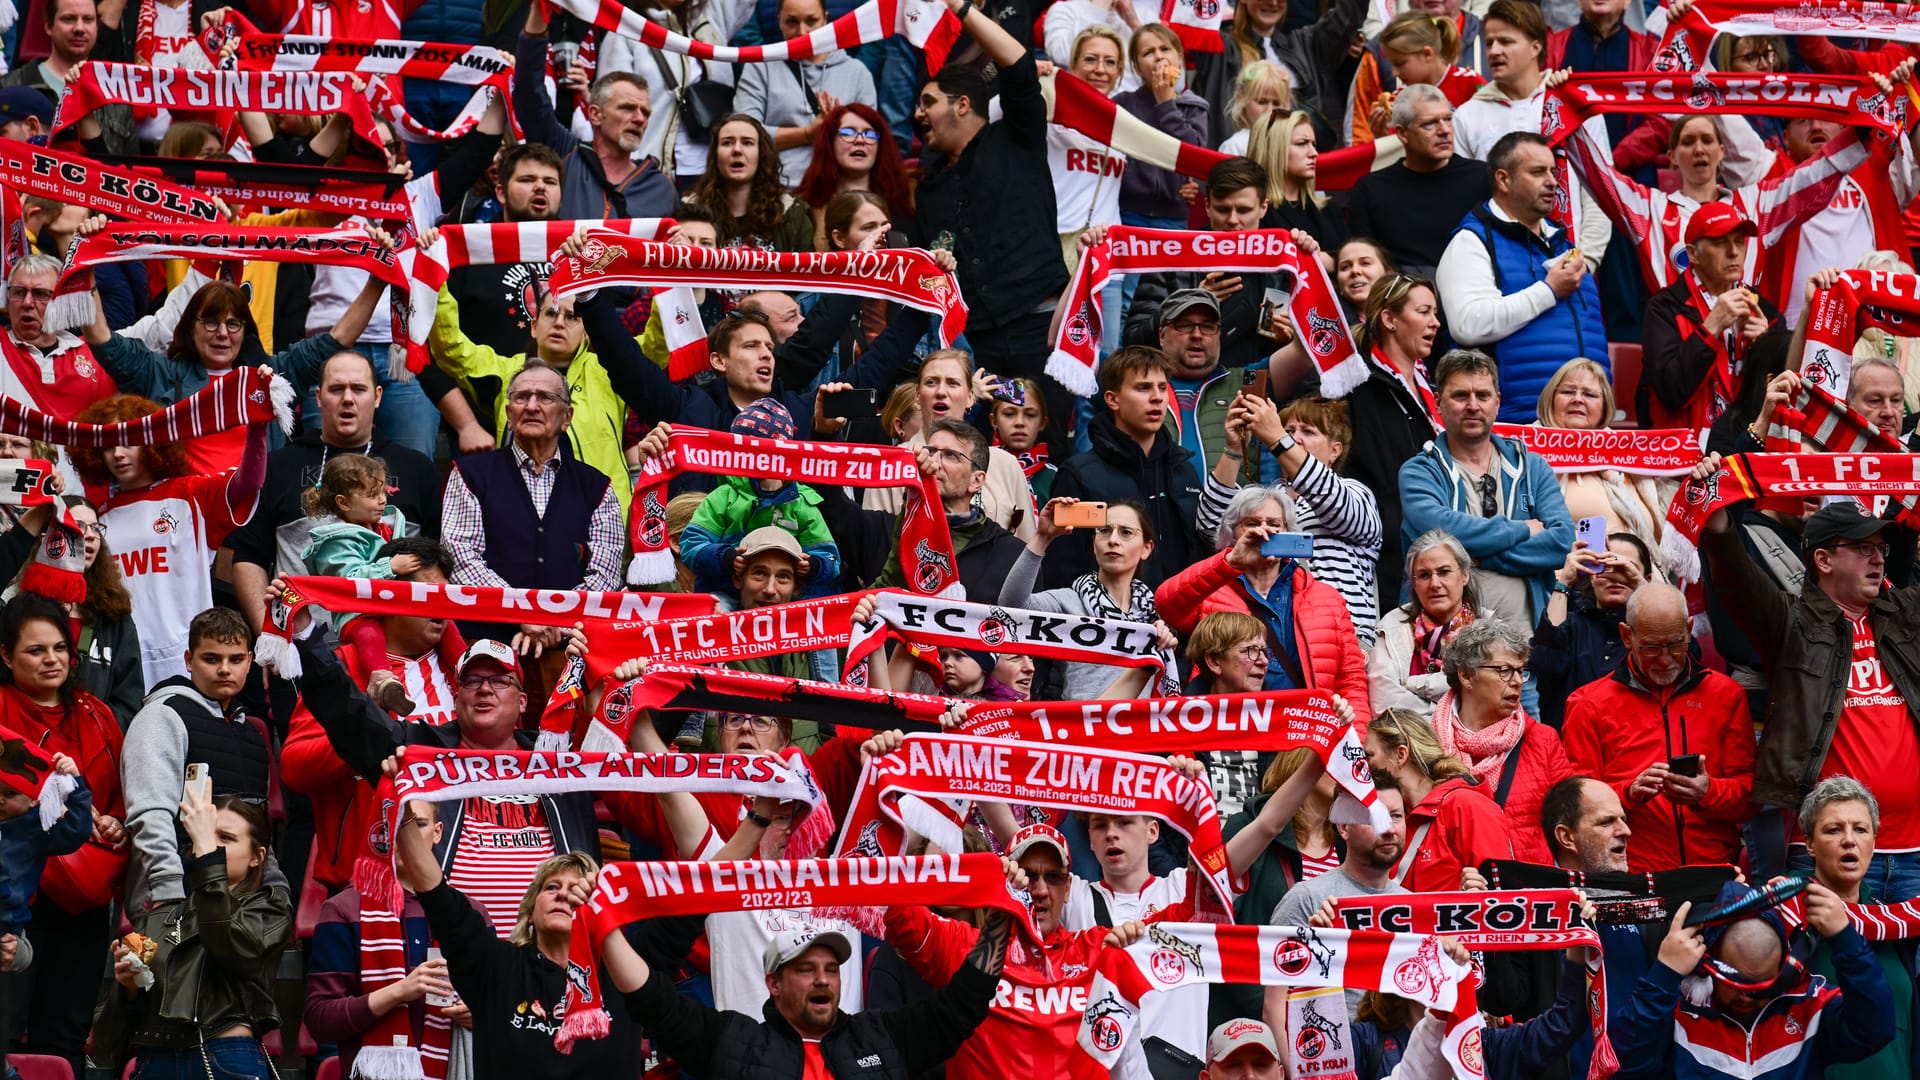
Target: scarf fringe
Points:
x,y
553,742
397,1062
53,799
70,311
650,567
278,655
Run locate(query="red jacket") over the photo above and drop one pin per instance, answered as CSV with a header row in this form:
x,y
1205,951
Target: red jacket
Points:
x,y
1617,727
1323,636
1463,828
88,733
1542,764
345,810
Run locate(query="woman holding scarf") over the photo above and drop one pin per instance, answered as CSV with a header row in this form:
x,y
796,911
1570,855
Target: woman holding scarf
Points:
x,y
1394,407
41,701
1451,823
1404,667
107,652
1481,723
1112,591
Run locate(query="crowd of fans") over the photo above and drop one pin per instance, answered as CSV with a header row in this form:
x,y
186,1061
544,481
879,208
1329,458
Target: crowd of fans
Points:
x,y
1554,685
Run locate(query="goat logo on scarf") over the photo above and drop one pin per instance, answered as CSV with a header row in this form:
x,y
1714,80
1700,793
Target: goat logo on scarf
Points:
x,y
577,976
868,846
1317,1033
597,255
1421,974
1702,94
934,567
379,838
1704,492
1676,55
1821,370
1550,118
1323,333
653,520
1170,960
1108,1032
1293,955
996,629
1356,756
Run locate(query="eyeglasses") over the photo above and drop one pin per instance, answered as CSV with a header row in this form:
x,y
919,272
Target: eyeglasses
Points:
x,y
1663,648
1489,497
1764,57
1056,879
760,724
1202,329
527,397
42,297
1507,672
1124,532
231,326
499,684
1867,550
1249,653
92,528
857,135
944,454
556,315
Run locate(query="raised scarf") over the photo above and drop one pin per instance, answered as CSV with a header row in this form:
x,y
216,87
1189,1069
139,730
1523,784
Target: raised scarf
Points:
x,y
385,66
226,402
29,769
489,244
1485,750
627,892
1859,300
904,275
929,782
1659,452
1314,306
1749,476
248,185
1621,898
1532,921
1430,639
1816,420
927,560
929,623
927,24
1685,46
1197,22
686,334
613,615
73,178
385,1053
1172,955
305,93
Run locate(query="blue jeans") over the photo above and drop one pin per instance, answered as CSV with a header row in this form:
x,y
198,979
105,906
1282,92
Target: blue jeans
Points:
x,y
235,1058
404,416
1891,878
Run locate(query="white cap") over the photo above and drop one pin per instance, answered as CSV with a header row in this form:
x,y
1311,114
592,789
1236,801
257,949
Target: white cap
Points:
x,y
1235,1035
787,946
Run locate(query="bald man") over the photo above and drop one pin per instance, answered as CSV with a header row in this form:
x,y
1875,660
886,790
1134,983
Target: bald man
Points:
x,y
1672,738
1809,1023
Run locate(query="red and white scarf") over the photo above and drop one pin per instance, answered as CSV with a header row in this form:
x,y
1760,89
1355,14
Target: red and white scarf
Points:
x,y
686,334
1687,40
1814,420
30,769
1524,921
928,623
384,65
611,614
1859,300
926,547
74,178
385,1053
227,402
1172,955
930,781
926,23
305,93
627,892
1750,476
248,186
903,275
1197,22
1662,452
1314,306
489,244
1074,104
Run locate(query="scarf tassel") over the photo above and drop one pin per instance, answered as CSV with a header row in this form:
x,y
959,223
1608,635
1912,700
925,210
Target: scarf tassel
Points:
x,y
280,394
376,878
277,654
397,1062
53,799
650,567
71,309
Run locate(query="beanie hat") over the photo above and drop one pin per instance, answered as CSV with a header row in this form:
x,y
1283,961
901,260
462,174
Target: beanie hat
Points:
x,y
766,419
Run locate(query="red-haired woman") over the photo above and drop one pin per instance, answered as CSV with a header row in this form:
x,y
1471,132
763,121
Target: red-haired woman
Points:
x,y
164,520
854,151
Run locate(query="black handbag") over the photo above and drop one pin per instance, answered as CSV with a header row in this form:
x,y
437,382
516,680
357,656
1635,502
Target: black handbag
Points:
x,y
702,104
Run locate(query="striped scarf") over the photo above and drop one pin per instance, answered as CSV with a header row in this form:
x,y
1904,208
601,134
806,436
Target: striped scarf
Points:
x,y
385,1053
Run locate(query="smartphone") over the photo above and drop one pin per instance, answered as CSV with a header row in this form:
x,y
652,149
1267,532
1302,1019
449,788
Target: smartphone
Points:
x,y
1684,765
855,403
1594,531
1273,300
199,779
1010,391
1253,383
1287,546
439,1001
1083,515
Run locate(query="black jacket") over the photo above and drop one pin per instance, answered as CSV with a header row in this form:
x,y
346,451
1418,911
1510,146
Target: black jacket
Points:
x,y
413,480
1676,354
993,208
1585,647
365,735
515,993
1165,479
894,1045
1392,426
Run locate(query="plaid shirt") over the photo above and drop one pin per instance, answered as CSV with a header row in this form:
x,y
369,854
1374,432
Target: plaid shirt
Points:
x,y
465,533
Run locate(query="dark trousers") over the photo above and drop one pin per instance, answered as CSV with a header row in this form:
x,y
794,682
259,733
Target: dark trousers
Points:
x,y
1018,350
51,1003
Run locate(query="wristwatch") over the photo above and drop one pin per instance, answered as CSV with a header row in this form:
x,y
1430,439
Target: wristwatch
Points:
x,y
1561,587
1285,444
755,817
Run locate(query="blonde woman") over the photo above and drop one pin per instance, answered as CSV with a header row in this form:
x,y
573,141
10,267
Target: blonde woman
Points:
x,y
1086,172
1580,396
1283,144
1263,87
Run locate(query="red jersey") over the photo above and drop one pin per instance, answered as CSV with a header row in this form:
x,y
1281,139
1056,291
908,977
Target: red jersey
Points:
x,y
60,380
1875,743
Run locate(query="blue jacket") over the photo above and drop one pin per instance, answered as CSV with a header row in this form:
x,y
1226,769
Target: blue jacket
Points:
x,y
25,848
1799,1033
1530,355
1436,494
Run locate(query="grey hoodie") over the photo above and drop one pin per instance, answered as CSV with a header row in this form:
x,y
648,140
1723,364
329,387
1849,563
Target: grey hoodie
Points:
x,y
772,95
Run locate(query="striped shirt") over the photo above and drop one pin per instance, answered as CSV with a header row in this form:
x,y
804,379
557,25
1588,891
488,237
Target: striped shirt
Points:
x,y
502,842
1344,520
427,684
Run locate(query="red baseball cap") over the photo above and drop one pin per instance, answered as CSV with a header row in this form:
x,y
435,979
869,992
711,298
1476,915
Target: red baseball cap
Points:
x,y
1716,219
